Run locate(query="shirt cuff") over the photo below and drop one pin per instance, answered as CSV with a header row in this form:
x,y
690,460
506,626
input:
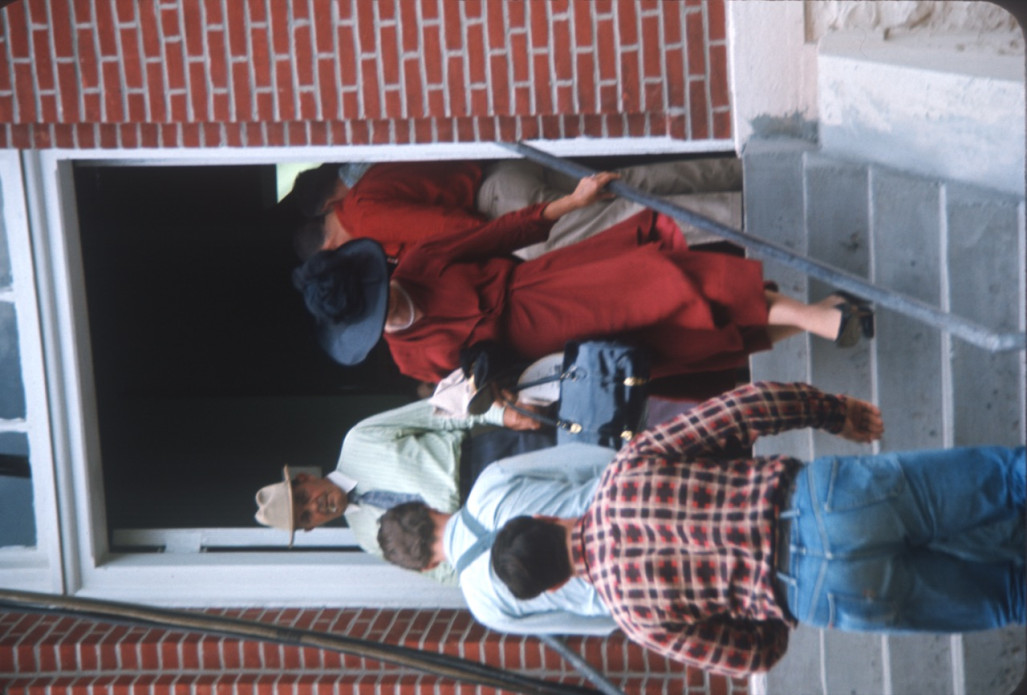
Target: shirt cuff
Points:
x,y
494,415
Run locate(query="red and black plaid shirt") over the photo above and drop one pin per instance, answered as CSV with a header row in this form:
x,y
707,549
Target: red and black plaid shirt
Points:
x,y
679,537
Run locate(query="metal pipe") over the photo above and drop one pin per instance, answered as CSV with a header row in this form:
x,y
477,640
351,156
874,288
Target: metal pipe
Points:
x,y
435,664
578,662
969,331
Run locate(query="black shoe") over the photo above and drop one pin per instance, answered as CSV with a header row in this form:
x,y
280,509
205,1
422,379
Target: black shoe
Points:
x,y
857,320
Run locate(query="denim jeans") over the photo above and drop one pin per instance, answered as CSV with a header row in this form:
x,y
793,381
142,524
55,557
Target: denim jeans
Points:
x,y
918,541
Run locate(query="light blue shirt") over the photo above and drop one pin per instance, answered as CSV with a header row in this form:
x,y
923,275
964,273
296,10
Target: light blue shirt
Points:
x,y
351,172
558,481
406,450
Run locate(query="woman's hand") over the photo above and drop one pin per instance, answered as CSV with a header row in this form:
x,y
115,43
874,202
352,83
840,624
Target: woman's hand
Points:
x,y
863,421
519,421
588,191
590,188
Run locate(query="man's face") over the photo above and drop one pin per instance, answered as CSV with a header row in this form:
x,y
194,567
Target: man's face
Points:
x,y
316,501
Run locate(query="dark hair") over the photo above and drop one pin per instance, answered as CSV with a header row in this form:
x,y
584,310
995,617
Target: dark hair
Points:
x,y
530,556
332,286
313,187
308,237
406,534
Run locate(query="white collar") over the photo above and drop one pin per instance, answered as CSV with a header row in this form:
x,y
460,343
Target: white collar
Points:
x,y
342,481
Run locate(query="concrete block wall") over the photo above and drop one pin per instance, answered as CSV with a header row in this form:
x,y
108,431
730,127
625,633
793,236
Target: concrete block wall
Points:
x,y
54,655
185,73
954,246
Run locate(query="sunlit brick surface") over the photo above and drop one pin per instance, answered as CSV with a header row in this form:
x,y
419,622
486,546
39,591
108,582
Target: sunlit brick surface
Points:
x,y
153,73
50,655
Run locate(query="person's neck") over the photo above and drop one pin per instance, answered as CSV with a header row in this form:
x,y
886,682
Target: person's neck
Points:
x,y
402,312
568,528
438,547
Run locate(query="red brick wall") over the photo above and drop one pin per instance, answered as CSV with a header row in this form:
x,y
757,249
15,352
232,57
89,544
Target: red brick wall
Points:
x,y
159,73
52,655
131,73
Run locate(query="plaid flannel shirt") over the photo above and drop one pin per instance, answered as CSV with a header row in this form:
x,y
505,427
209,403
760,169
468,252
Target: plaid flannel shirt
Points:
x,y
679,537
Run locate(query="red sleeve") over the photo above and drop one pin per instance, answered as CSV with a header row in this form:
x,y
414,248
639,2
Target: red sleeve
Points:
x,y
406,202
501,236
419,360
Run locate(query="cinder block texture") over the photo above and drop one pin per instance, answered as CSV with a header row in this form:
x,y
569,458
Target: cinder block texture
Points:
x,y
210,73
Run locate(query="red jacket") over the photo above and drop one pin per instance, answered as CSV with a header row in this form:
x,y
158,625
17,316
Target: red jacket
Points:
x,y
399,203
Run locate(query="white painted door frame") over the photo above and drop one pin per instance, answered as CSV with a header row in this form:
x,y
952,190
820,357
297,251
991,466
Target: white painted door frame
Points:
x,y
79,560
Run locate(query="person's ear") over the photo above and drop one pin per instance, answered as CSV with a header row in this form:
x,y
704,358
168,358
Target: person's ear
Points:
x,y
432,565
302,477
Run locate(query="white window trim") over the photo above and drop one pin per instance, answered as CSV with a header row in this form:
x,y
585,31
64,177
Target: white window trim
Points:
x,y
35,568
87,567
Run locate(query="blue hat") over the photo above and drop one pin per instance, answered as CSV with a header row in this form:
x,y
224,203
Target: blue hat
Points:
x,y
347,291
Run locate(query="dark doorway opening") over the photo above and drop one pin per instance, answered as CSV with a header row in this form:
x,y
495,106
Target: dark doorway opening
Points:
x,y
208,376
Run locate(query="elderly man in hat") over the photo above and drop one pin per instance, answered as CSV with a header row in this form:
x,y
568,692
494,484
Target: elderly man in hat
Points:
x,y
408,453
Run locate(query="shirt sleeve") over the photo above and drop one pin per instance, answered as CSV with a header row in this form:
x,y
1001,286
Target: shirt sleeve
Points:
x,y
406,202
499,237
730,647
409,450
730,423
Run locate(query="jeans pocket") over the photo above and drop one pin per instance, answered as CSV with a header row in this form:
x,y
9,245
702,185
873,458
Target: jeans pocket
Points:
x,y
860,481
861,614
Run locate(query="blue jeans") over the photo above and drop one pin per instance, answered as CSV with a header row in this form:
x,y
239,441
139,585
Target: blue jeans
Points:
x,y
918,541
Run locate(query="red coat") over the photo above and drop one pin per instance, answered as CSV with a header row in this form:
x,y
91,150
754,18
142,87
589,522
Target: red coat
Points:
x,y
697,311
400,203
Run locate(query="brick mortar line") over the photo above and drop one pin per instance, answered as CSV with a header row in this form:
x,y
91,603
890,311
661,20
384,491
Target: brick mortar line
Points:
x,y
422,68
237,672
229,72
507,55
144,73
465,64
686,66
636,48
190,107
706,50
490,89
662,28
335,22
617,71
119,47
272,73
532,77
165,73
254,116
358,76
553,95
35,76
397,24
572,29
292,23
52,50
379,67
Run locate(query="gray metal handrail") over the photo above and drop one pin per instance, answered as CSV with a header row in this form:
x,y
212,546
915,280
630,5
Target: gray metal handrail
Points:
x,y
583,667
842,279
437,664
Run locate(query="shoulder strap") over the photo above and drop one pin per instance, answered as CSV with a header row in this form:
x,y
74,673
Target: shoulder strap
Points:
x,y
483,543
